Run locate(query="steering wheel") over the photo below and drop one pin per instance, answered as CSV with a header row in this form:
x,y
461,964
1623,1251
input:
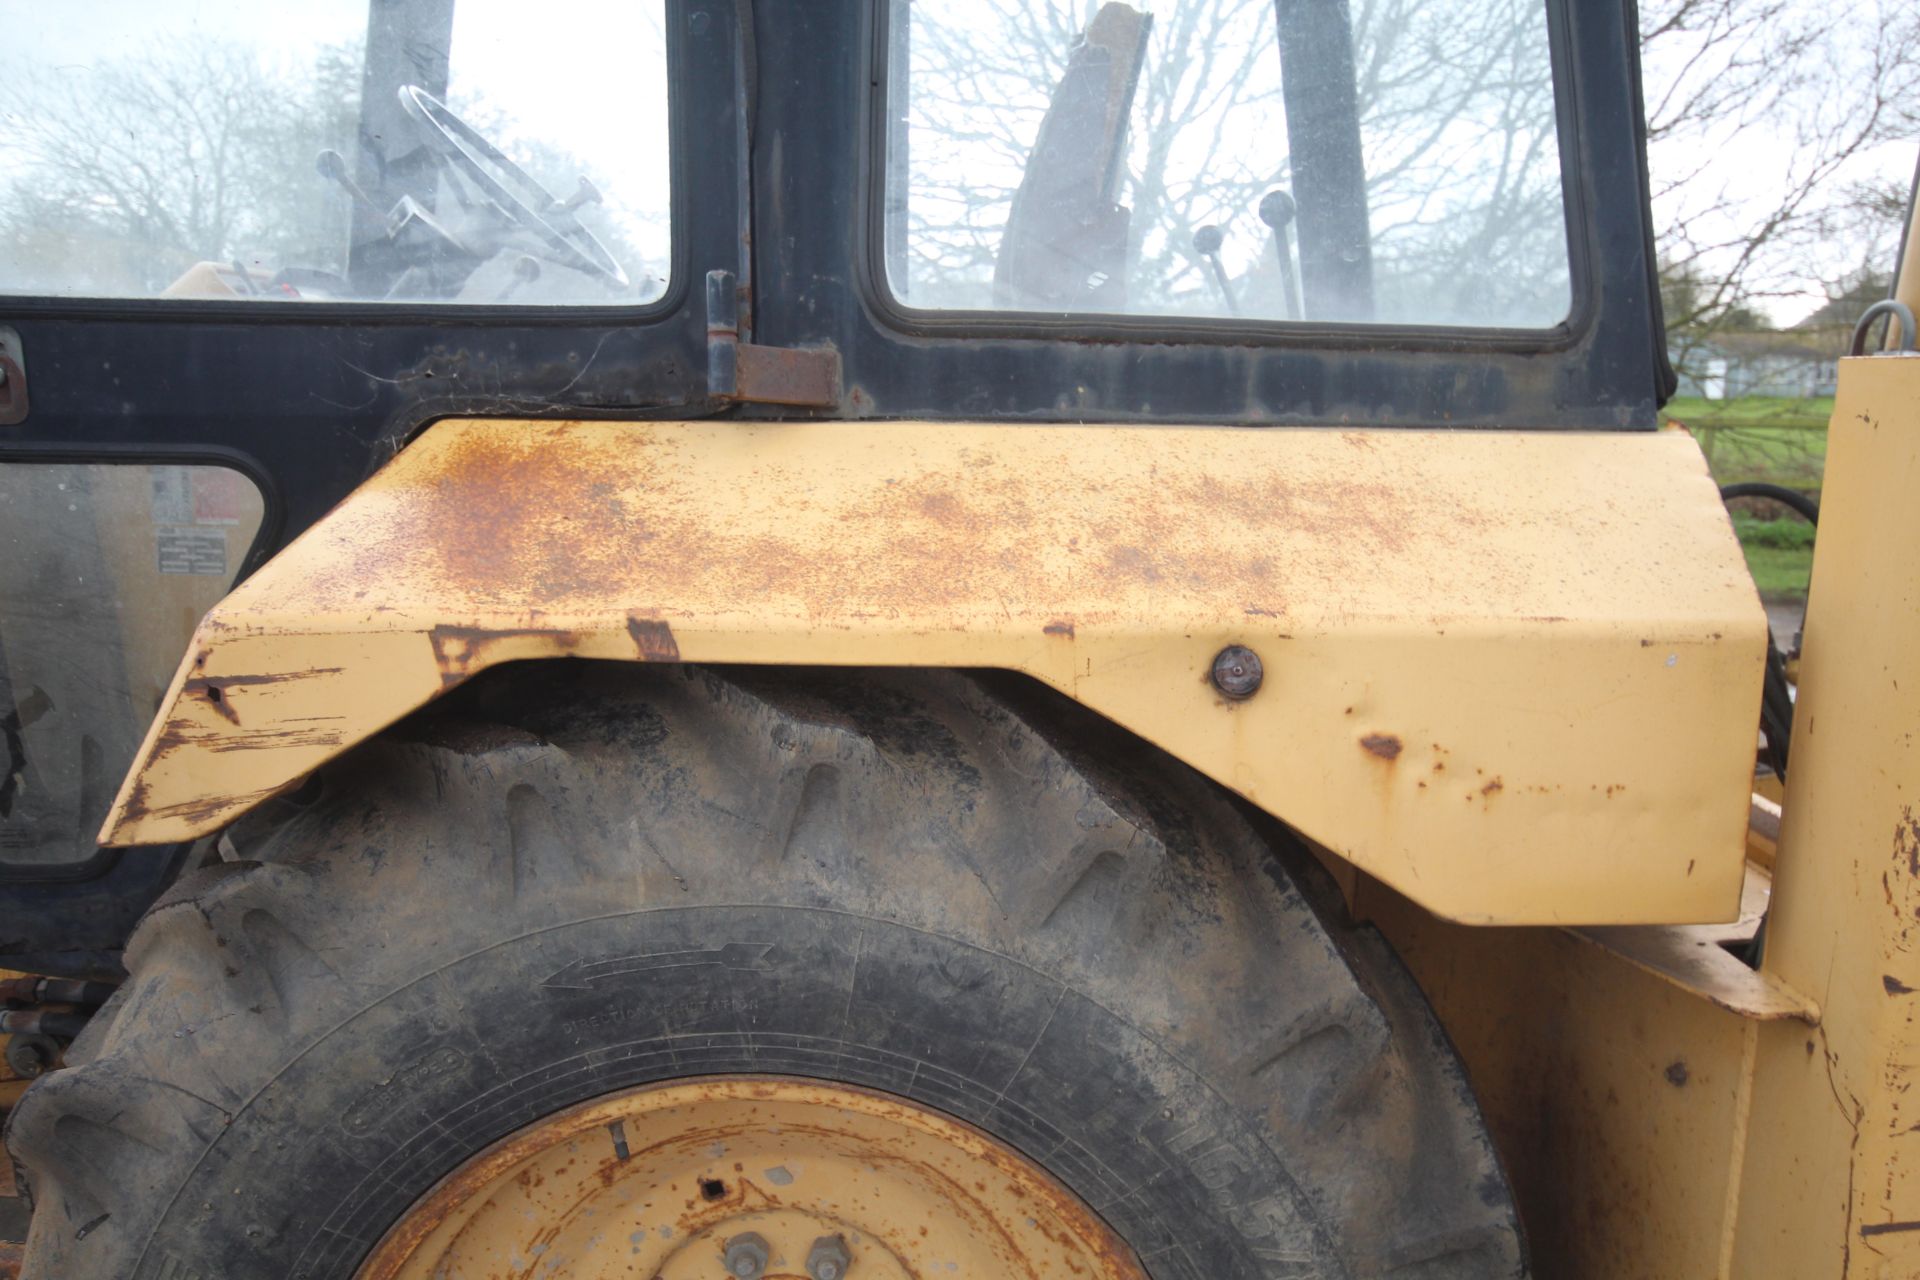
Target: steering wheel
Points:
x,y
517,194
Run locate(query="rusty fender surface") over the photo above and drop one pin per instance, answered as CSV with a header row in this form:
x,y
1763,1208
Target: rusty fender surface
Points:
x,y
1513,675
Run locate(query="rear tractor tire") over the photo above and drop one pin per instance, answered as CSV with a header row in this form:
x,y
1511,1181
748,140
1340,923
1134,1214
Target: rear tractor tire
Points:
x,y
687,969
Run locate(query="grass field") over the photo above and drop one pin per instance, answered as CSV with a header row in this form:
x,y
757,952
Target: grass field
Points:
x,y
1779,553
1764,438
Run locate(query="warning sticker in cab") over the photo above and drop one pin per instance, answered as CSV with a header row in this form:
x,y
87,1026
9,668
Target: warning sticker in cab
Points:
x,y
197,551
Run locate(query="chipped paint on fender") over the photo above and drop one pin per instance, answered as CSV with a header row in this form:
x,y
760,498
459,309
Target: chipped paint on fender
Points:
x,y
1568,613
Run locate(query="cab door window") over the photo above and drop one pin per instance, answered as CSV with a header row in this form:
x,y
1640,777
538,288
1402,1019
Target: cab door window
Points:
x,y
407,151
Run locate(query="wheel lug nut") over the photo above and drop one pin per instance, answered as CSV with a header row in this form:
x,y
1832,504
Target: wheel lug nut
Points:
x,y
829,1259
746,1256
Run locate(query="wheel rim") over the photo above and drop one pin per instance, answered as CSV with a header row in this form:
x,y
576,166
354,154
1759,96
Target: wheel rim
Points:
x,y
760,1178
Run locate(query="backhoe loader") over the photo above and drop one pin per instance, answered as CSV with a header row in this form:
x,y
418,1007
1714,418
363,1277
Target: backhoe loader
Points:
x,y
979,638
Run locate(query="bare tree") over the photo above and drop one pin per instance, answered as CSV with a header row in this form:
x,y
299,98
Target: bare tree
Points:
x,y
1456,104
1463,164
199,151
116,178
1826,86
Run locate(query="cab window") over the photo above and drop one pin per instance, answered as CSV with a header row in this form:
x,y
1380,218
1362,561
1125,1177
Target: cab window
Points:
x,y
433,152
104,570
1392,162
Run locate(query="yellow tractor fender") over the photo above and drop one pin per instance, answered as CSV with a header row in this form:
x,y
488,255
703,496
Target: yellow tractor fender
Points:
x,y
1441,655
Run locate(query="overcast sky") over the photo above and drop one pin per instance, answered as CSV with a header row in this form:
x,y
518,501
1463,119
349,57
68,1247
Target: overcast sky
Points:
x,y
581,69
1749,159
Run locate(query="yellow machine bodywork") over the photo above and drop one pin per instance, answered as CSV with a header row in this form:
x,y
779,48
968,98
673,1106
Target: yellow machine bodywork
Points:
x,y
1831,1165
1554,614
1650,1132
1554,632
1512,675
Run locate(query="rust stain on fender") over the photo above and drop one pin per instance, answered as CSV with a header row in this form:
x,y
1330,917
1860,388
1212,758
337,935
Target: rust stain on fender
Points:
x,y
653,640
194,810
1385,745
217,691
1420,577
460,651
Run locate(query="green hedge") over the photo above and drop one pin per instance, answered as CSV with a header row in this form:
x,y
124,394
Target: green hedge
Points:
x,y
1785,534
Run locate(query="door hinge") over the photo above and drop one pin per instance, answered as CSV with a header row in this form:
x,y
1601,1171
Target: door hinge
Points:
x,y
744,372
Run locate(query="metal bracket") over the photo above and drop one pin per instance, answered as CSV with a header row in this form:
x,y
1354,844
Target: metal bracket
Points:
x,y
1694,957
13,378
743,372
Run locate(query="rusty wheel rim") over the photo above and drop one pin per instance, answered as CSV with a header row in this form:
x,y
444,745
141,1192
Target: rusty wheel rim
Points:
x,y
750,1178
